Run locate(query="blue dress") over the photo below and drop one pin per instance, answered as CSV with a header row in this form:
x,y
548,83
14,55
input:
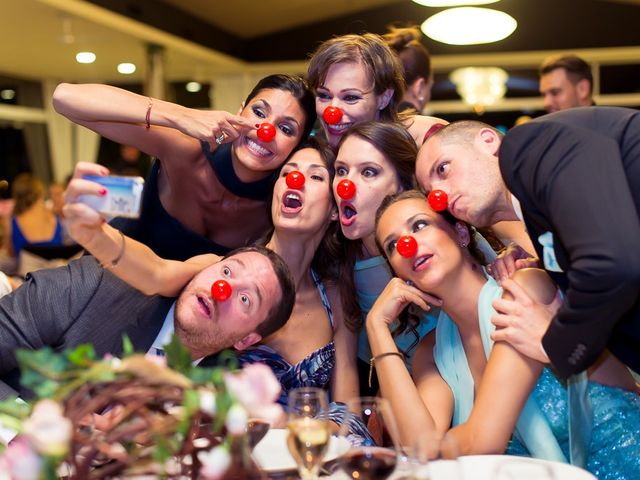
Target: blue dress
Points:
x,y
543,430
19,241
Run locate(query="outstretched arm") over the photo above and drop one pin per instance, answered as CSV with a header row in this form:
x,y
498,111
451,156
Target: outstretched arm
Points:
x,y
427,408
122,116
507,382
136,263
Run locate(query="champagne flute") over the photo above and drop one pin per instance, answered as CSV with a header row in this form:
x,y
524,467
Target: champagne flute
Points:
x,y
376,457
308,429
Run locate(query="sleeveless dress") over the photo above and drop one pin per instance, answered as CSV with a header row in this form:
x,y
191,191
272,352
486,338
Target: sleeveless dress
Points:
x,y
19,241
165,235
612,418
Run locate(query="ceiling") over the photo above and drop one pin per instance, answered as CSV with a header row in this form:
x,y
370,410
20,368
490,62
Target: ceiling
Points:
x,y
205,38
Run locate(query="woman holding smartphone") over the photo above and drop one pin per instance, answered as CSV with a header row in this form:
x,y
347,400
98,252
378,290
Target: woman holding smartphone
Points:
x,y
208,191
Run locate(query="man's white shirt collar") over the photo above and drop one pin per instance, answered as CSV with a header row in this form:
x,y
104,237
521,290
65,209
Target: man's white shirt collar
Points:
x,y
164,337
517,207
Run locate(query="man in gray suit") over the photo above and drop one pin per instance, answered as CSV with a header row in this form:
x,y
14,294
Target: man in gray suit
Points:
x,y
84,303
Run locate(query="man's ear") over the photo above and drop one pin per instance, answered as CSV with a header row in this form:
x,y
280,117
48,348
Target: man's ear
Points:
x,y
582,88
247,341
385,98
489,141
464,236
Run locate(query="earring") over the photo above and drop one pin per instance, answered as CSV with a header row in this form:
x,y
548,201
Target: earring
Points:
x,y
463,244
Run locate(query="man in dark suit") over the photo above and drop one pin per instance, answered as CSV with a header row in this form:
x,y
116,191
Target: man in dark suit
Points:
x,y
84,303
573,177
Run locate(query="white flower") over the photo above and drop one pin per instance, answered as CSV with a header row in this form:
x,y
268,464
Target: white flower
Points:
x,y
48,429
236,421
215,462
208,402
257,389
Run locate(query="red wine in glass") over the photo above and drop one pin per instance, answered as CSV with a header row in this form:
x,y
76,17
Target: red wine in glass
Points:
x,y
369,463
256,429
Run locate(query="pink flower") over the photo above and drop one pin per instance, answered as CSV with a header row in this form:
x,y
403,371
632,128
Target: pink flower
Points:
x,y
257,389
20,461
48,429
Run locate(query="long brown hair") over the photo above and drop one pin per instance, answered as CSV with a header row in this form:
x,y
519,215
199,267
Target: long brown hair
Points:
x,y
26,190
399,148
381,64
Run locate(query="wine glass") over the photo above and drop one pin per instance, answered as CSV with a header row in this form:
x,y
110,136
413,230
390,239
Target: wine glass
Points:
x,y
308,429
375,457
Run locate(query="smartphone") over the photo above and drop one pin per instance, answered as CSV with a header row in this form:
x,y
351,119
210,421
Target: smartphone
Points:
x,y
123,198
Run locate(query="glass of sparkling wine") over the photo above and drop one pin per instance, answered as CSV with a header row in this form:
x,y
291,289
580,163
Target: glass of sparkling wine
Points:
x,y
375,457
308,429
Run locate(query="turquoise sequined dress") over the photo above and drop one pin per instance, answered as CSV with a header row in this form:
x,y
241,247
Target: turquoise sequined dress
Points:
x,y
614,449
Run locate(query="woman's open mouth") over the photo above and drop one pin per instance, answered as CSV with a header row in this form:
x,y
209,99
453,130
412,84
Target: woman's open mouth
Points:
x,y
421,263
291,202
348,214
257,148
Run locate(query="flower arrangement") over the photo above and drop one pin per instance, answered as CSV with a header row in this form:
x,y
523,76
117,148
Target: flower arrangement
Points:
x,y
139,415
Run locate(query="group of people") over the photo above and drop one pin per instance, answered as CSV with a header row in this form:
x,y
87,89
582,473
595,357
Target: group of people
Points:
x,y
326,297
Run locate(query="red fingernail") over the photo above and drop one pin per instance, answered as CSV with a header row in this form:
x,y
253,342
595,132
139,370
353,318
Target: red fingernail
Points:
x,y
257,125
103,191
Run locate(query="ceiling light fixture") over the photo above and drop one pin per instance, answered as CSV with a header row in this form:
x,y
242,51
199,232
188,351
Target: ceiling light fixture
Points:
x,y
452,3
469,26
480,86
126,68
85,57
7,94
193,87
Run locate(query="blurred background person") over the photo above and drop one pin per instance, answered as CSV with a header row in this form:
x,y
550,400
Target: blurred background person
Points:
x,y
124,159
416,63
566,81
31,223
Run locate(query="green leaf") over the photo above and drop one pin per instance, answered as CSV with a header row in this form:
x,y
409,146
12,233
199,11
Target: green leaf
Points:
x,y
127,346
178,356
82,356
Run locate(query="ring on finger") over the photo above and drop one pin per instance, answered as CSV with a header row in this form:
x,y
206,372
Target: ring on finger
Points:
x,y
220,138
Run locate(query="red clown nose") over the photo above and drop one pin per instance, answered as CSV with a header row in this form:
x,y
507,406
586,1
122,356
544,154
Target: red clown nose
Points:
x,y
220,290
332,115
295,180
438,200
266,132
407,246
346,189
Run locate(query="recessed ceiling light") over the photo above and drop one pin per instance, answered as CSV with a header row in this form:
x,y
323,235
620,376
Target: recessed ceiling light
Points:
x,y
126,68
85,57
480,86
7,94
469,26
193,87
452,3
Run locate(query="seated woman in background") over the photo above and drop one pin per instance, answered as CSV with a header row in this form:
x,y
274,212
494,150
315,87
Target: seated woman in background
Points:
x,y
209,190
32,223
487,391
314,348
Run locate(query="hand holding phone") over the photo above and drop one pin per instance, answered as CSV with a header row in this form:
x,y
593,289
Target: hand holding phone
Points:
x,y
123,197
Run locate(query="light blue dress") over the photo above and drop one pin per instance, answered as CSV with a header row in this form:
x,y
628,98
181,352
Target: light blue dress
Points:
x,y
542,431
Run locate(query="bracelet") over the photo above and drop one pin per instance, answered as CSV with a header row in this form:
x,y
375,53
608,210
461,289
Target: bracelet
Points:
x,y
114,262
147,118
378,357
